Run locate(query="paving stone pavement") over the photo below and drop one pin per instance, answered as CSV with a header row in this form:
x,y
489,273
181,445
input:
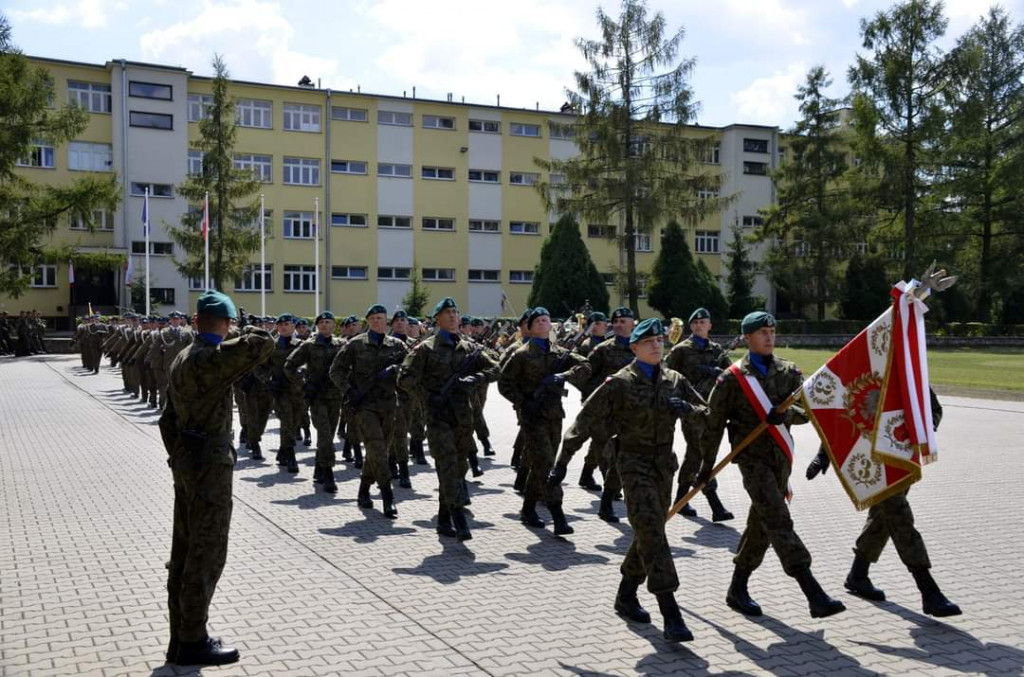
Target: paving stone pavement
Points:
x,y
316,586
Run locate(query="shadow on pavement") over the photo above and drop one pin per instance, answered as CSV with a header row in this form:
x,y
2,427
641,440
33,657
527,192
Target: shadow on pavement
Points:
x,y
273,479
373,526
454,562
317,499
554,553
712,535
668,657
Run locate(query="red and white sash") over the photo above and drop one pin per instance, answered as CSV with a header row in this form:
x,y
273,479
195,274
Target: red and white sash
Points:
x,y
758,399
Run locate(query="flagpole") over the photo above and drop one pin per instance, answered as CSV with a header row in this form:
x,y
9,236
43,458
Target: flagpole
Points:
x,y
263,262
146,227
206,241
316,254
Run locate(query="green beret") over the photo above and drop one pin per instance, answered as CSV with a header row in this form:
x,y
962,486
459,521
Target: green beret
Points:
x,y
216,304
755,321
351,319
477,322
539,311
621,311
302,322
596,316
652,326
699,314
376,309
443,304
399,315
525,317
325,315
413,320
285,317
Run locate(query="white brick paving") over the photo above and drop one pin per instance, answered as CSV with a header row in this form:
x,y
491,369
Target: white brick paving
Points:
x,y
314,586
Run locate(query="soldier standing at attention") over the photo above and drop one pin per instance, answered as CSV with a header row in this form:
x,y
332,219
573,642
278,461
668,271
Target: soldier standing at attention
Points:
x,y
534,379
765,464
442,371
639,404
701,361
324,398
302,333
166,345
196,431
365,371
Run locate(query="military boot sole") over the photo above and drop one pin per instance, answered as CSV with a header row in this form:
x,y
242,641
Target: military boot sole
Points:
x,y
864,590
563,530
747,609
942,610
677,634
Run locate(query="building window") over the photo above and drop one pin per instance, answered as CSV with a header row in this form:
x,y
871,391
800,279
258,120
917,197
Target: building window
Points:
x,y
390,169
438,173
260,165
195,162
199,106
387,221
485,126
162,295
641,284
752,222
40,154
394,273
390,117
348,272
155,248
519,129
44,276
755,168
561,130
594,230
523,178
609,278
706,242
91,96
755,145
299,278
350,220
435,223
298,225
150,120
301,171
254,113
712,155
520,276
524,228
101,219
90,157
439,274
155,189
348,114
254,280
861,248
268,222
484,275
438,122
299,118
196,284
348,167
801,249
482,226
484,176
642,242
150,90
707,194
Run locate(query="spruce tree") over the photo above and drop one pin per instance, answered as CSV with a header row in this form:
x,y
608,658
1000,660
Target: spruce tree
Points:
x,y
866,288
565,277
741,278
416,299
678,284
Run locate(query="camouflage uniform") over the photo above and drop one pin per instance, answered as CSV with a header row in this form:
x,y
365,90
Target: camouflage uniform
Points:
x,y
287,397
317,354
167,343
200,402
607,358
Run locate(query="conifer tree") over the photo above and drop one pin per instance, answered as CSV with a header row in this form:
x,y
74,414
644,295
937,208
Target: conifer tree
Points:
x,y
565,277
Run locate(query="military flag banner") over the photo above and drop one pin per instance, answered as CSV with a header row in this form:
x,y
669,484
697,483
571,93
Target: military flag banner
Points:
x,y
869,403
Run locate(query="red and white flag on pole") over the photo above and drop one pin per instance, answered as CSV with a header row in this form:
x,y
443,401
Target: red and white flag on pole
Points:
x,y
871,407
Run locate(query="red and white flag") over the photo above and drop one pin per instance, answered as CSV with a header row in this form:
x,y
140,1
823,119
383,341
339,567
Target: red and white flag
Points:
x,y
870,404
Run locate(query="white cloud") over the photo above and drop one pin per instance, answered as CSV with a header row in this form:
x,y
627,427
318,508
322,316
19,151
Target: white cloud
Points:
x,y
767,19
769,100
86,13
254,36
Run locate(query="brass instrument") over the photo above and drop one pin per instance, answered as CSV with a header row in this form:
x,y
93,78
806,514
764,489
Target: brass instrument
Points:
x,y
675,332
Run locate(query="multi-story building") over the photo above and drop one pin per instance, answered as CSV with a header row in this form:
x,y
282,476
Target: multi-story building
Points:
x,y
394,183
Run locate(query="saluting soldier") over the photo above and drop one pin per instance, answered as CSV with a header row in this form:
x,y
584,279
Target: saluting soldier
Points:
x,y
738,402
639,405
701,361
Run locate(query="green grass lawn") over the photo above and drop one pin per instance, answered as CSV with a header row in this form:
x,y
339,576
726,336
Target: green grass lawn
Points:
x,y
994,369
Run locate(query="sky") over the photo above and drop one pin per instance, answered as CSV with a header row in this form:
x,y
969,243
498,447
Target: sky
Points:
x,y
750,54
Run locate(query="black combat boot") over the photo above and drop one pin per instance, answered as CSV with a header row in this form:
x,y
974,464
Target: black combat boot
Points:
x,y
626,603
718,511
318,474
346,451
562,527
821,604
307,439
257,453
488,449
363,497
675,628
607,509
329,484
519,486
243,436
858,583
528,515
587,479
444,522
461,524
416,449
403,475
935,603
474,464
357,453
387,497
686,510
279,458
209,651
292,462
738,598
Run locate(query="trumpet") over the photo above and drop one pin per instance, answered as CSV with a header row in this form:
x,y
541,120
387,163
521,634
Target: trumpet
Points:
x,y
675,332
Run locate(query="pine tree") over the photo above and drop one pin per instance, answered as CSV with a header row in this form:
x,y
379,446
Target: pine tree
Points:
x,y
565,277
416,299
233,193
678,284
741,278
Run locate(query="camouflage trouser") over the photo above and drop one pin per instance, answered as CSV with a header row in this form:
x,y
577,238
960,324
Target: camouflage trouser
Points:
x,y
400,435
258,401
376,428
239,394
647,481
479,423
769,522
325,413
286,405
542,438
160,383
304,415
893,518
692,432
202,518
448,446
417,421
348,417
609,463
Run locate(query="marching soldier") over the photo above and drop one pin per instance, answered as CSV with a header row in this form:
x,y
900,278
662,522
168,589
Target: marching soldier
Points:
x,y
597,327
286,395
520,442
352,451
302,333
417,421
639,405
93,336
701,361
399,456
740,401
441,371
483,433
